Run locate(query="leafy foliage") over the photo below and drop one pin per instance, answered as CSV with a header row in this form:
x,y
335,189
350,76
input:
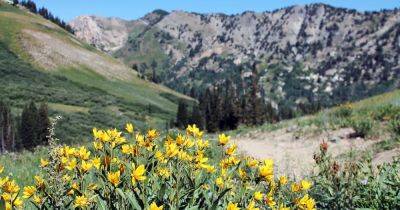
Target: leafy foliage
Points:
x,y
142,171
355,184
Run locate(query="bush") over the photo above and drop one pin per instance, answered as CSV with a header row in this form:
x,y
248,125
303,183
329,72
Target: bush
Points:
x,y
343,111
355,184
144,171
362,126
386,112
394,126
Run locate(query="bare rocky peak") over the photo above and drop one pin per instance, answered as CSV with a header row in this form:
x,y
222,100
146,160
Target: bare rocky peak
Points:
x,y
107,34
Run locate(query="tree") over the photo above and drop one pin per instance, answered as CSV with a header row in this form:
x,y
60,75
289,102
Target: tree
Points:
x,y
7,142
182,115
43,124
28,129
2,144
15,2
197,117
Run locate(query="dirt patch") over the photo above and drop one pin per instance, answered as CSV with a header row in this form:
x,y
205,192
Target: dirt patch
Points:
x,y
292,154
52,53
385,156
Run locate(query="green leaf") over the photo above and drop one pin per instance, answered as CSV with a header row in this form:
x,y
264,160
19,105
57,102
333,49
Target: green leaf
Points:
x,y
132,200
102,203
221,195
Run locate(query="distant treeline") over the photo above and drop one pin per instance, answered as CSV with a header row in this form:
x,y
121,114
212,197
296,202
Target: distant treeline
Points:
x,y
44,12
224,107
26,131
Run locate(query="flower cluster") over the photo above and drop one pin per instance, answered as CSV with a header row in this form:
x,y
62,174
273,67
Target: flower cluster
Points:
x,y
134,170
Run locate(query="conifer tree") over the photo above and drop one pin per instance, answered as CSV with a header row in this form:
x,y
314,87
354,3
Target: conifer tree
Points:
x,y
7,142
43,124
197,117
28,127
182,115
2,144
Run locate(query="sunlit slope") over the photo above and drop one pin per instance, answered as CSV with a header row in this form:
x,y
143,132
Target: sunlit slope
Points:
x,y
40,61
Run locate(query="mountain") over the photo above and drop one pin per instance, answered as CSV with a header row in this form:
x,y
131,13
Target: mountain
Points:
x,y
40,61
303,54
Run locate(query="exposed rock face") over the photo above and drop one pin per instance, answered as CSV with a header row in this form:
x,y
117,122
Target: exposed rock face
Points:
x,y
337,48
107,34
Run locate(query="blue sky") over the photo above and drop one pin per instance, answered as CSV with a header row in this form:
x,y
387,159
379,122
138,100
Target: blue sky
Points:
x,y
132,9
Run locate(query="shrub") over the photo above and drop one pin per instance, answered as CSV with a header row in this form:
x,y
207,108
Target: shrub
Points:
x,y
386,112
394,126
355,184
343,111
362,126
132,170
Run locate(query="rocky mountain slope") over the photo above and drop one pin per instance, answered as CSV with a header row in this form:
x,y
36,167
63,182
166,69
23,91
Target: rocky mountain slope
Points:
x,y
40,61
332,54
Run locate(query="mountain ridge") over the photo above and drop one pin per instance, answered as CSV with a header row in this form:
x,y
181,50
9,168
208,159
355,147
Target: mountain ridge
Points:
x,y
337,48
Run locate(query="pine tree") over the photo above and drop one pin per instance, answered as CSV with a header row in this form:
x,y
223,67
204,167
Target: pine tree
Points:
x,y
15,2
182,115
43,124
7,142
197,117
28,128
2,144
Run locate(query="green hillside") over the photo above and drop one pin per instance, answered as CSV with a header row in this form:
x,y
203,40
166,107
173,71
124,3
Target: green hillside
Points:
x,y
41,62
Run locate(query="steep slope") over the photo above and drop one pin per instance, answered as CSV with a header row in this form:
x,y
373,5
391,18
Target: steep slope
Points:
x,y
41,62
333,53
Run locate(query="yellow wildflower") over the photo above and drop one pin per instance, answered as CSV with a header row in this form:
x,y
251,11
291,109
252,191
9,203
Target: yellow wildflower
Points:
x,y
202,144
71,164
282,207
39,181
160,157
37,199
81,201
270,201
164,172
11,187
1,169
252,162
18,202
267,170
8,206
223,139
29,191
83,153
85,166
138,174
3,181
6,197
96,162
231,150
306,203
194,131
98,145
129,128
283,180
305,185
43,163
151,134
252,206
153,206
219,182
114,178
232,206
295,187
172,150
258,195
